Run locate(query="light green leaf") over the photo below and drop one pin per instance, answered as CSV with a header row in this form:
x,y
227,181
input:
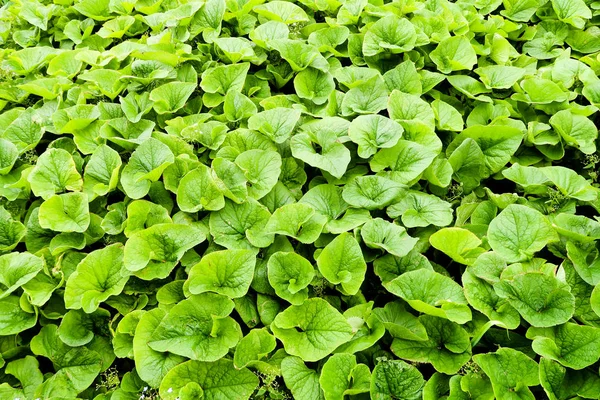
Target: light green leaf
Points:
x,y
98,276
380,234
12,231
257,344
372,132
198,328
447,347
510,371
151,365
341,376
171,96
153,252
198,190
396,379
210,381
54,172
302,381
459,244
542,300
420,209
261,168
312,330
371,192
13,319
101,172
314,85
431,293
290,274
390,33
454,54
341,262
16,269
518,232
297,220
574,346
227,272
145,166
67,212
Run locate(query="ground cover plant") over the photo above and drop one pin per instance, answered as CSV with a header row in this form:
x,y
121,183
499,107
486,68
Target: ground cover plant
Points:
x,y
310,199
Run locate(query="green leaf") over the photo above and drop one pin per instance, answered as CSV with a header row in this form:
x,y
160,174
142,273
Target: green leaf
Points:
x,y
419,209
572,12
390,33
510,371
396,379
562,383
11,231
261,168
380,234
371,192
98,276
227,272
576,130
281,11
500,76
224,78
468,163
302,381
368,97
145,166
154,252
341,262
199,190
569,183
406,161
431,293
518,232
341,376
276,123
314,85
447,347
482,297
542,300
330,155
171,96
55,172
290,274
76,368
198,328
408,109
8,156
399,322
454,54
13,318
572,345
16,269
311,330
212,380
498,144
101,172
257,344
372,132
459,244
297,220
67,212
151,365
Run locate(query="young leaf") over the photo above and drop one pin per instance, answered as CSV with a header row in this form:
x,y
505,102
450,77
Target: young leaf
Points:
x,y
227,272
311,330
341,262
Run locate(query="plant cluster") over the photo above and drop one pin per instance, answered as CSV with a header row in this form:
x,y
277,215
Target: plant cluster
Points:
x,y
308,199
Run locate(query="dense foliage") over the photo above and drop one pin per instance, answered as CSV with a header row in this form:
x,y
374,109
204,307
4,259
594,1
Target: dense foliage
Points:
x,y
311,199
